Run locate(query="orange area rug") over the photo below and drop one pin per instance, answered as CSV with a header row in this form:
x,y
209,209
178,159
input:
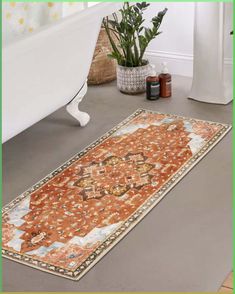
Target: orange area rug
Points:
x,y
65,223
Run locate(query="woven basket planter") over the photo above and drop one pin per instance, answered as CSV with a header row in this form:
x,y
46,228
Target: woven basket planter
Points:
x,y
103,68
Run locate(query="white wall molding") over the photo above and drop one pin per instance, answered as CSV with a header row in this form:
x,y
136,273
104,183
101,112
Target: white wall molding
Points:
x,y
178,63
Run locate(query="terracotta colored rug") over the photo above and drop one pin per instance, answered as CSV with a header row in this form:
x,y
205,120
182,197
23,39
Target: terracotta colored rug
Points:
x,y
65,223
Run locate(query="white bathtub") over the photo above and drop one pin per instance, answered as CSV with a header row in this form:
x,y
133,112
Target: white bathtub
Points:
x,y
44,71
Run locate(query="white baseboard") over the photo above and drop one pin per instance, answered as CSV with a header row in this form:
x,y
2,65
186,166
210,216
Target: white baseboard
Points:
x,y
178,64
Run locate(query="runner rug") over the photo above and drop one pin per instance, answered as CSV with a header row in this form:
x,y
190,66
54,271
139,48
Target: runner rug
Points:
x,y
65,223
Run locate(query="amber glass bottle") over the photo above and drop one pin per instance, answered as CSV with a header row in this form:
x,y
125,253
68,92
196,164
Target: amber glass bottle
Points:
x,y
152,85
165,82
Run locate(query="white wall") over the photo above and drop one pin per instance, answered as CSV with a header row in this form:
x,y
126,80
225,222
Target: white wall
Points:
x,y
175,44
73,7
228,26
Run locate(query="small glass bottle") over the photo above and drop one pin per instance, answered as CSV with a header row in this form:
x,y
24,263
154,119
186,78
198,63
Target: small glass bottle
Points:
x,y
165,82
152,85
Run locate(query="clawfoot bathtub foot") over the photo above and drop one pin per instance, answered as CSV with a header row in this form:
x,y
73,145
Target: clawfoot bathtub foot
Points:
x,y
72,108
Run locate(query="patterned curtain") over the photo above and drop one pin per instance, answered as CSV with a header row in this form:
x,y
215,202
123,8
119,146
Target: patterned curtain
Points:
x,y
20,18
25,17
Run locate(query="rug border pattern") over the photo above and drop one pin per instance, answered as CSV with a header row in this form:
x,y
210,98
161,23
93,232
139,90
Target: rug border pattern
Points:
x,y
128,224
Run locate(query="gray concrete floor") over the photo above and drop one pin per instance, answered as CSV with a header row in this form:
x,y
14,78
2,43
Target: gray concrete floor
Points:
x,y
183,244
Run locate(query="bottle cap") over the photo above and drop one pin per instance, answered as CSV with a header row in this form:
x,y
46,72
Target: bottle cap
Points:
x,y
152,71
164,68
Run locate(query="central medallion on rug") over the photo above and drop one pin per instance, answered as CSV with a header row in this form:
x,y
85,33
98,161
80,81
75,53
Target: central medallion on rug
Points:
x,y
69,220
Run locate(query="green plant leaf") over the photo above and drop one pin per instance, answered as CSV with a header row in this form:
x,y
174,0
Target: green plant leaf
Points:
x,y
132,36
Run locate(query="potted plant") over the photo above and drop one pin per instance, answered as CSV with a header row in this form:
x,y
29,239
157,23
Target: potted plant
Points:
x,y
133,38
